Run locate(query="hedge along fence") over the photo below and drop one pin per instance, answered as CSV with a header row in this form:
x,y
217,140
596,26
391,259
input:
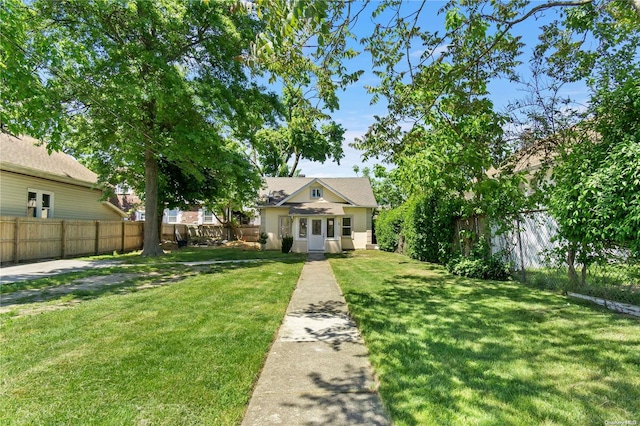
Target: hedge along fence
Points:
x,y
28,239
422,228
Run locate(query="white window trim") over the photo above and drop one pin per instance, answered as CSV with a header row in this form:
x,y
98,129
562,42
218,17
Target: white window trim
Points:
x,y
319,193
202,217
178,215
350,227
39,193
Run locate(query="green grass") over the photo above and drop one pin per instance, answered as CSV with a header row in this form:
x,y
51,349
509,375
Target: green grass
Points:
x,y
185,353
131,263
614,282
195,254
451,350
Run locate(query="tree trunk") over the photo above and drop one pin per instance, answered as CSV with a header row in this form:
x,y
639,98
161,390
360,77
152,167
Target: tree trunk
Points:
x,y
292,172
151,233
571,259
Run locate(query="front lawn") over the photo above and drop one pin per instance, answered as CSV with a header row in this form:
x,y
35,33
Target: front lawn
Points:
x,y
185,353
196,254
450,350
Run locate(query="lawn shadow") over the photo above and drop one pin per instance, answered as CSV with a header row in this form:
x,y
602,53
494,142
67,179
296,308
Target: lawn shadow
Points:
x,y
348,397
459,348
78,286
326,321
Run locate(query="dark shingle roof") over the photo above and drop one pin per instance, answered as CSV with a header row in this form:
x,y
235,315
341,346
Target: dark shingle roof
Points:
x,y
356,190
25,152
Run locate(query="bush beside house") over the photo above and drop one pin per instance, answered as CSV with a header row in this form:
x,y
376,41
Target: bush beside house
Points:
x,y
424,228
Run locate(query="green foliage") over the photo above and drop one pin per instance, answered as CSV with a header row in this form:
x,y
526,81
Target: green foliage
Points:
x,y
303,47
264,237
385,185
491,268
287,243
152,92
480,263
389,227
596,193
455,134
429,227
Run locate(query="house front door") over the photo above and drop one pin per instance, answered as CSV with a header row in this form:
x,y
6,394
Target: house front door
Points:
x,y
316,239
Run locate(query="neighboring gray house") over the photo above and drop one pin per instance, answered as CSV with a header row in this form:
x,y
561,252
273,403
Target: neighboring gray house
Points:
x,y
34,183
322,214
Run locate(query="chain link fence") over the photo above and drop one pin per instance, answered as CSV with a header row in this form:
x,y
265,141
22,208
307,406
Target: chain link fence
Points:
x,y
537,259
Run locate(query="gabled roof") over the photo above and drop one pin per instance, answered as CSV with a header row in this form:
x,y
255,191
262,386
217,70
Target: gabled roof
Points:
x,y
356,191
25,155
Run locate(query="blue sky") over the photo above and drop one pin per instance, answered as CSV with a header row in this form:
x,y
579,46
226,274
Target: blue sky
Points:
x,y
356,114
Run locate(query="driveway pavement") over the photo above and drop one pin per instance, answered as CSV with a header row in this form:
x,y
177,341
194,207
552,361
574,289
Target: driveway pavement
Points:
x,y
32,271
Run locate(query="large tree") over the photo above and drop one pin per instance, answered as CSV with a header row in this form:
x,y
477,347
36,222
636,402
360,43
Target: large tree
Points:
x,y
151,92
303,50
305,133
442,130
594,195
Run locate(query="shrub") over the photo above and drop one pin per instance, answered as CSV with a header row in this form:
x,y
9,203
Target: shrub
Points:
x,y
429,227
264,237
492,268
388,228
287,243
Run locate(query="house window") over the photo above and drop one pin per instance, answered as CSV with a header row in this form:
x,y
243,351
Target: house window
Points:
x,y
331,222
302,233
316,192
140,216
39,204
123,189
207,216
346,226
285,226
172,216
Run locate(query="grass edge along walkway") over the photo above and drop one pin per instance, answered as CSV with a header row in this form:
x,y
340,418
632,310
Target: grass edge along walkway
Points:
x,y
451,350
185,353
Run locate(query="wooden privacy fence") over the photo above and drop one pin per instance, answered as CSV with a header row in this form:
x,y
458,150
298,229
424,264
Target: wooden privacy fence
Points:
x,y
28,239
247,233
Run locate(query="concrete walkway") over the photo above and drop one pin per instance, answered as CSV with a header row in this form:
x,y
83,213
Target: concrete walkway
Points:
x,y
317,372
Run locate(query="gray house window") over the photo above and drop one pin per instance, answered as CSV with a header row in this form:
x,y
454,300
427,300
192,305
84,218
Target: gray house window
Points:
x,y
303,228
285,226
346,226
331,225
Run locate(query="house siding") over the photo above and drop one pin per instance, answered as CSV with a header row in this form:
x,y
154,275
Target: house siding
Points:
x,y
271,226
69,201
359,228
360,235
304,196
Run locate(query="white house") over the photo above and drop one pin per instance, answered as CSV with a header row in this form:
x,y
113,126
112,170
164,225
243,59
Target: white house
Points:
x,y
321,214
